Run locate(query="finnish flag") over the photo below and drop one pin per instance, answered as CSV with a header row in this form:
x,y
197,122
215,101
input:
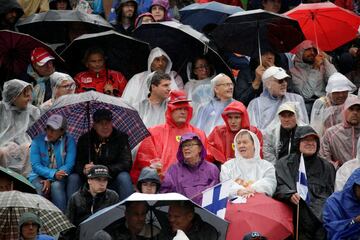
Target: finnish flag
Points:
x,y
215,198
302,184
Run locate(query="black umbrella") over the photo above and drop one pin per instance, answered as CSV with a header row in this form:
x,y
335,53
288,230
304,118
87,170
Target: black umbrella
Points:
x,y
246,32
15,54
57,26
123,53
182,43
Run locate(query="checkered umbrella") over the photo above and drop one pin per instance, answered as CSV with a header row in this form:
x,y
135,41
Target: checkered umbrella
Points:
x,y
14,203
79,108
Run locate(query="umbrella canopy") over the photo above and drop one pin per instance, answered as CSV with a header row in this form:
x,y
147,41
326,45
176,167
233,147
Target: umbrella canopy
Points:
x,y
14,203
247,32
15,53
326,24
55,26
123,53
200,15
158,202
260,213
79,108
181,43
20,183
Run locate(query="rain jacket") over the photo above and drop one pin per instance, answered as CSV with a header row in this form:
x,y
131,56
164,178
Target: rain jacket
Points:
x,y
137,89
190,180
150,114
274,137
148,174
164,142
320,180
96,81
324,114
14,141
115,153
338,144
64,151
308,81
221,139
42,87
34,6
340,209
258,173
262,110
5,7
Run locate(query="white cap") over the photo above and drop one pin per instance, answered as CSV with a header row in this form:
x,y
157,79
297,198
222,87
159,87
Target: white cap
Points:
x,y
287,106
276,72
339,83
56,122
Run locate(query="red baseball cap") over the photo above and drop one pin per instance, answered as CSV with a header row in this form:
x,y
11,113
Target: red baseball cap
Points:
x,y
40,56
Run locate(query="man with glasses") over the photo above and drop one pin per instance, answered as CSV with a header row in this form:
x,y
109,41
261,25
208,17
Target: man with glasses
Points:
x,y
262,110
209,114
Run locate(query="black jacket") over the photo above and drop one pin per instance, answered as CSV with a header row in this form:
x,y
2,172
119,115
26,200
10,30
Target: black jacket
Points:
x,y
115,153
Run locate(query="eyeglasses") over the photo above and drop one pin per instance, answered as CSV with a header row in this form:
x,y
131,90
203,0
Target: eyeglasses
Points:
x,y
185,145
225,84
281,81
68,86
201,66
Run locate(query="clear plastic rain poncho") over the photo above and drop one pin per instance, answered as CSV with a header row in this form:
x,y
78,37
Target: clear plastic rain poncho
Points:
x,y
325,115
56,80
272,141
14,141
258,173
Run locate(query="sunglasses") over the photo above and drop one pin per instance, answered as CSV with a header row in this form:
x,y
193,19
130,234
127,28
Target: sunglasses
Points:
x,y
281,81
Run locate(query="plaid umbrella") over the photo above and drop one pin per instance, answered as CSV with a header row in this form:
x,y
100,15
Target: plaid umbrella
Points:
x,y
79,108
14,203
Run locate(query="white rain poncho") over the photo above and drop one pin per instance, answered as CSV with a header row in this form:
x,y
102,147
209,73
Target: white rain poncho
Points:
x,y
55,80
14,141
151,114
260,174
325,115
262,110
136,89
345,171
308,81
338,144
272,141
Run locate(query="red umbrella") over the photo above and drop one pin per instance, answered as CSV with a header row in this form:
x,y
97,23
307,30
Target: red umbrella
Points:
x,y
273,219
326,24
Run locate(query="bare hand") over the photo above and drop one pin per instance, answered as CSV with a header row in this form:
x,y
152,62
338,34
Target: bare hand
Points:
x,y
295,198
319,60
46,186
59,175
259,71
353,51
87,168
357,219
246,193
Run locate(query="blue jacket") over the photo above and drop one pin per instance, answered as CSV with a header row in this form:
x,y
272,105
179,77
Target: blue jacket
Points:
x,y
340,210
65,154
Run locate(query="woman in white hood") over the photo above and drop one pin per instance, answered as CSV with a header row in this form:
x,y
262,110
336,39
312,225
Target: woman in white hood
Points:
x,y
136,89
249,172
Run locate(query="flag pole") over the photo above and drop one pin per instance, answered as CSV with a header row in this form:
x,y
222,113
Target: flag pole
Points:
x,y
297,221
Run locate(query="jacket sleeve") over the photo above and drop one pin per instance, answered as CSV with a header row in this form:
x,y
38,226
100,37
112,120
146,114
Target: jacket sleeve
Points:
x,y
70,155
267,184
71,212
82,156
122,160
168,184
244,91
269,147
325,148
35,158
283,190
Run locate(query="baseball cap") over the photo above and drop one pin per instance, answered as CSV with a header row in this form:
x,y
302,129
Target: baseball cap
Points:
x,y
288,106
178,96
276,72
98,171
40,56
56,122
102,114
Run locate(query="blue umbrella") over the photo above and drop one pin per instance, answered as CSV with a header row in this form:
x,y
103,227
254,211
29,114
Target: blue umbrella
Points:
x,y
199,15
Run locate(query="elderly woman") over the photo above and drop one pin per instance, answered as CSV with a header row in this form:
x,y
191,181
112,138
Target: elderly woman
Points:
x,y
262,110
61,84
17,114
192,174
249,173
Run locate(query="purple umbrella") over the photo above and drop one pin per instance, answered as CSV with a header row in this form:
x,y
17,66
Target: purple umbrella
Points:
x,y
78,110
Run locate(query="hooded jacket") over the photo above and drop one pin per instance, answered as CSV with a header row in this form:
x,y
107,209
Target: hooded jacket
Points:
x,y
148,174
338,144
308,81
221,139
137,90
258,173
340,210
5,7
190,180
164,141
320,176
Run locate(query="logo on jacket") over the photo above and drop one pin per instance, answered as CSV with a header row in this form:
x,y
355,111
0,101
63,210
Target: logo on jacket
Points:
x,y
86,80
178,138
